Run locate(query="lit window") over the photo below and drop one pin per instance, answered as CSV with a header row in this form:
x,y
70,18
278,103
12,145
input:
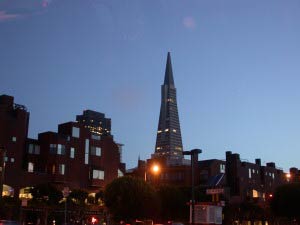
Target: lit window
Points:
x,y
14,139
255,193
159,131
98,174
30,167
174,130
120,173
62,169
222,168
166,130
53,169
5,159
249,173
12,160
72,152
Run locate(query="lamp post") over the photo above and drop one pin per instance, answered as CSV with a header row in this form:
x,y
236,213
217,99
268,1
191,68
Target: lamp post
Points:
x,y
193,153
154,169
66,192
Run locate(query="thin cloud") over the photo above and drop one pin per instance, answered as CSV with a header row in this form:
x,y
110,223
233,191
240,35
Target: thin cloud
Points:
x,y
4,16
21,8
189,22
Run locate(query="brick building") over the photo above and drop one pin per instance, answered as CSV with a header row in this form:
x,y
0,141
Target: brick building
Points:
x,y
73,157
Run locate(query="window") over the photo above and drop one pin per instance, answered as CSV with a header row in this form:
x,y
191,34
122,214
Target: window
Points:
x,y
61,149
95,151
5,159
30,148
53,169
96,137
14,139
37,149
86,152
62,169
249,173
222,168
52,148
12,160
120,173
72,152
75,132
30,167
98,174
34,149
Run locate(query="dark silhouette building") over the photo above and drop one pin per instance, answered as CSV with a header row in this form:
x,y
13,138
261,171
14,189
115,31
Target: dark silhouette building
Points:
x,y
95,122
168,140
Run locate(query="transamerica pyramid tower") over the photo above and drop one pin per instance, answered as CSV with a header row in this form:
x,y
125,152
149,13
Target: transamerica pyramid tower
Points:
x,y
168,140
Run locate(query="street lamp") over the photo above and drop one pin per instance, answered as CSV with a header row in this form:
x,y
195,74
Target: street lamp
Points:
x,y
288,177
193,153
66,192
154,169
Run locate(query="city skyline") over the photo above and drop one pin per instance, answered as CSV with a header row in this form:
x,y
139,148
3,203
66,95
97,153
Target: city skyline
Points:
x,y
235,67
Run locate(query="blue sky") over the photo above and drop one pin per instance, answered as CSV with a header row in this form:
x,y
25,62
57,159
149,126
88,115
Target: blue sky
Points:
x,y
236,69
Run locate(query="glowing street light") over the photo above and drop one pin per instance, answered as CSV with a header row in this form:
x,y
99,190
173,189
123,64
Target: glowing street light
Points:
x,y
155,169
288,176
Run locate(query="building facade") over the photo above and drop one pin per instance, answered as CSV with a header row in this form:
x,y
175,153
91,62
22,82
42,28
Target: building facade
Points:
x,y
74,156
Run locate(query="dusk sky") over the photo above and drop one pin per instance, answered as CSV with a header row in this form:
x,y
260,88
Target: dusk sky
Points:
x,y
236,68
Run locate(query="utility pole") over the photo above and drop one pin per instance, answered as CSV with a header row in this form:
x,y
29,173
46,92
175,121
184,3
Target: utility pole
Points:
x,y
193,153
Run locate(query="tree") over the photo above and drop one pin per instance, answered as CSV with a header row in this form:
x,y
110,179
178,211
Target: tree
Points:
x,y
173,201
129,198
46,193
78,196
285,202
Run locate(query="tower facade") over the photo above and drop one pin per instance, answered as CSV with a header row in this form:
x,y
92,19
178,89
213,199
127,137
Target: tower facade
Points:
x,y
168,140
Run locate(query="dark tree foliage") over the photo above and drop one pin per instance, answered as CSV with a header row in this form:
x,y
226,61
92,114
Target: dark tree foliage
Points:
x,y
286,201
173,201
46,193
9,208
78,196
129,198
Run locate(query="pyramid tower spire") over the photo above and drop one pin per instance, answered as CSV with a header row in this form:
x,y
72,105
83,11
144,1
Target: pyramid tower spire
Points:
x,y
169,80
168,140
